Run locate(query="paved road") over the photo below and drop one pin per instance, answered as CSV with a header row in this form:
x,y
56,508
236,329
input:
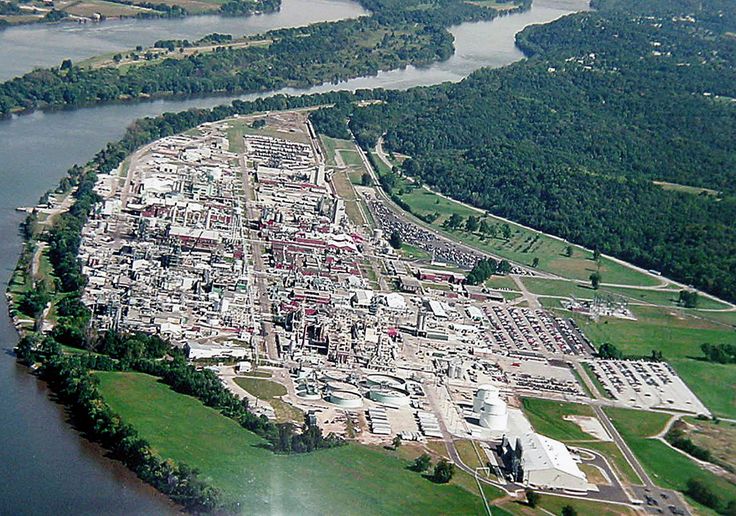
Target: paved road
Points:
x,y
267,332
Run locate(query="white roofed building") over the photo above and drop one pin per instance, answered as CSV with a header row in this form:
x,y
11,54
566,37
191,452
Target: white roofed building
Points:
x,y
539,461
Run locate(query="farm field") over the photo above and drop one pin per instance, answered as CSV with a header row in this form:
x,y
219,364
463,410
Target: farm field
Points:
x,y
235,460
666,466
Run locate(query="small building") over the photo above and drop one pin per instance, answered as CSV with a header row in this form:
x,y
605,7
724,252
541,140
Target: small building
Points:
x,y
410,284
198,351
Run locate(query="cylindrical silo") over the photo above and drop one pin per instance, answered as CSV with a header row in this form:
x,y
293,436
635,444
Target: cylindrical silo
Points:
x,y
494,415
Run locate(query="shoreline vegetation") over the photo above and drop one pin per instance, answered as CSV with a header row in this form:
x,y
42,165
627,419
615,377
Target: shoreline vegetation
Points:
x,y
395,35
15,13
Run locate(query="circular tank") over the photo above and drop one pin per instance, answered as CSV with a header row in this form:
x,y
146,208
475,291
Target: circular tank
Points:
x,y
335,385
345,399
494,415
336,376
389,396
484,392
307,392
385,380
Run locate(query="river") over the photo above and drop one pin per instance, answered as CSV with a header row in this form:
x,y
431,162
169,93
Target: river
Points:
x,y
46,467
25,48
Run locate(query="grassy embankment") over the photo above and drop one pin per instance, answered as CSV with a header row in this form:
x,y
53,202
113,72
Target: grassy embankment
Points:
x,y
546,417
665,466
235,461
271,392
719,437
554,504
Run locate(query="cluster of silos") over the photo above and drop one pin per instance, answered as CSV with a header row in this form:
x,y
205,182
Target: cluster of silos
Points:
x,y
491,409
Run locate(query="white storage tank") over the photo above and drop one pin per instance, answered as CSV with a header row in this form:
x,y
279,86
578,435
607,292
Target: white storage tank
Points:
x,y
484,392
494,415
389,396
346,399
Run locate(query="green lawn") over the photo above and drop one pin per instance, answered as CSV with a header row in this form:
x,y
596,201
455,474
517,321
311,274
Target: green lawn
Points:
x,y
331,144
502,282
615,457
271,392
351,158
666,466
553,505
661,297
414,253
524,244
637,423
679,338
546,416
383,168
548,287
348,480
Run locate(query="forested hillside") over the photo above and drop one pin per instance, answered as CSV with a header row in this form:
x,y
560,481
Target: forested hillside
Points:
x,y
571,140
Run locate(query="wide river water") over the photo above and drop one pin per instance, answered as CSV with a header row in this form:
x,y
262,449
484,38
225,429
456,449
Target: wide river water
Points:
x,y
45,468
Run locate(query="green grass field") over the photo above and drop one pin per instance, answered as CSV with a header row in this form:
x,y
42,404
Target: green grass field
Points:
x,y
348,480
550,287
546,416
502,282
666,466
414,253
661,297
679,338
271,392
383,168
524,244
615,457
332,144
553,505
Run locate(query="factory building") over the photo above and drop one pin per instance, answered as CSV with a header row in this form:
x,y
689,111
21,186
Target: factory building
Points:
x,y
536,460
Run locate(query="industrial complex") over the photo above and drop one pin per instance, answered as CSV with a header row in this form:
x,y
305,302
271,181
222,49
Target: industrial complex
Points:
x,y
235,244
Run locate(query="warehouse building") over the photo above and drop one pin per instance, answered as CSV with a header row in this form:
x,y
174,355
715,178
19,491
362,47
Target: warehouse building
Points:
x,y
539,461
